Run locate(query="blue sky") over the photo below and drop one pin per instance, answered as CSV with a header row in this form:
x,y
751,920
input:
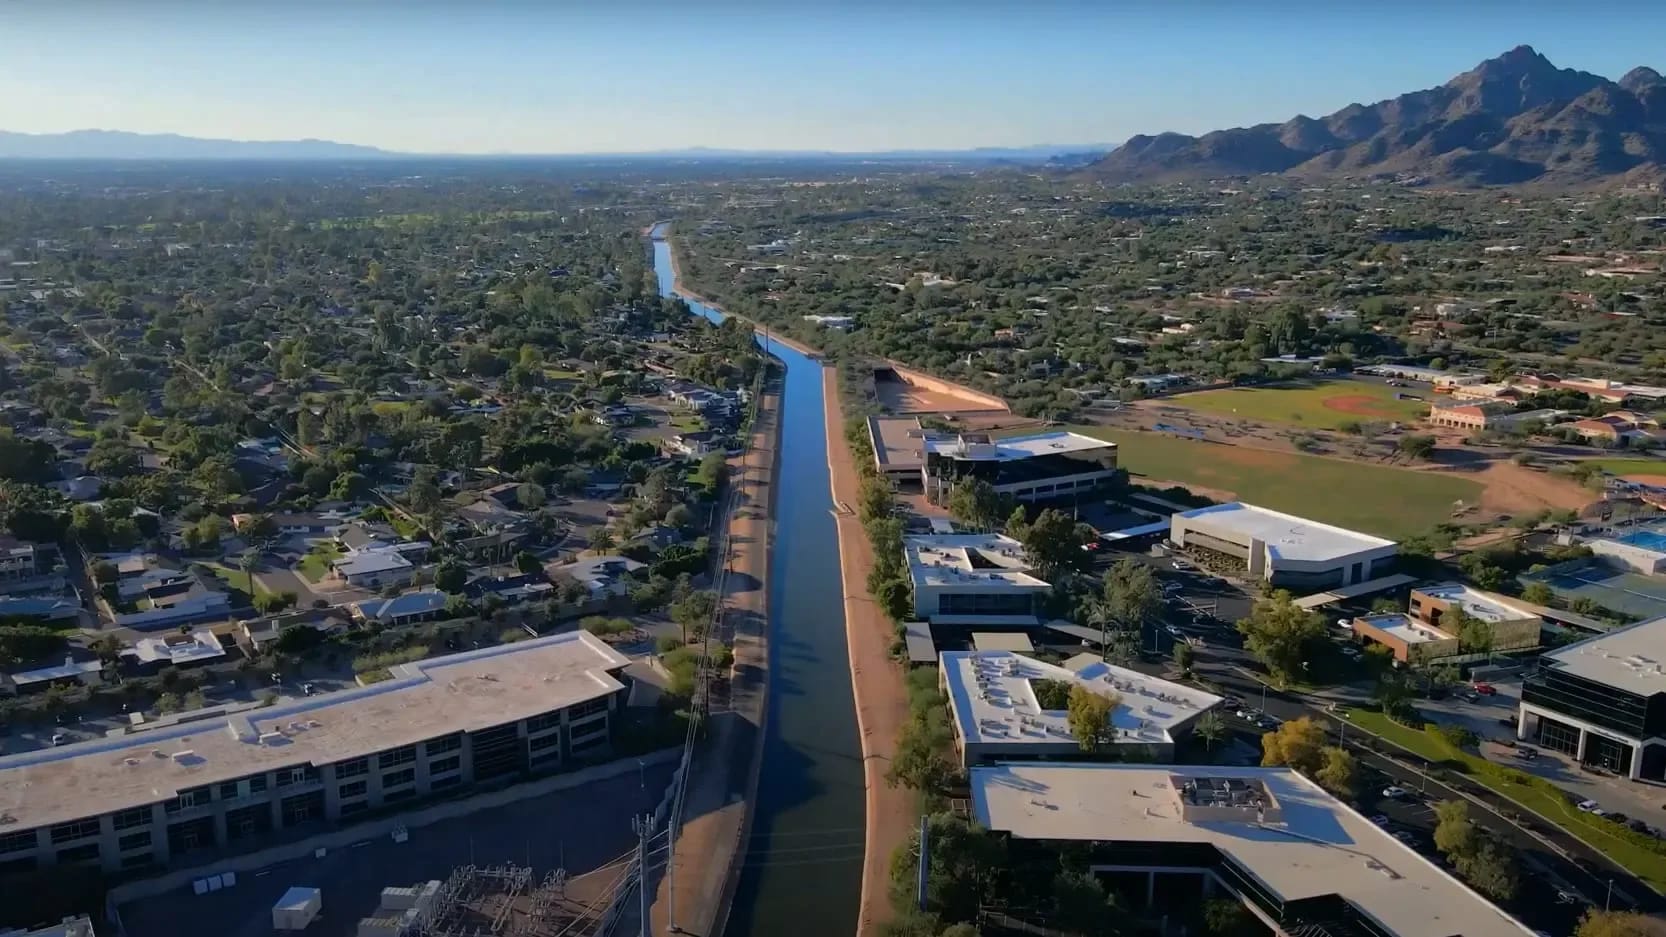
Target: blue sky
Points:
x,y
482,76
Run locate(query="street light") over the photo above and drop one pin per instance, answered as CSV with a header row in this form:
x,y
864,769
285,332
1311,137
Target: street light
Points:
x,y
1608,902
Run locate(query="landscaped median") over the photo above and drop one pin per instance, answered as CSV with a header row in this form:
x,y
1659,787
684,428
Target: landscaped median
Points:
x,y
1642,855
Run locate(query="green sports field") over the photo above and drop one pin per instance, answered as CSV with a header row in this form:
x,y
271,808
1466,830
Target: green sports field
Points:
x,y
1623,467
1320,405
1389,502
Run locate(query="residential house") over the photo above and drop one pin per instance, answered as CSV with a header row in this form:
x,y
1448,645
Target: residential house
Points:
x,y
1620,428
208,606
79,488
695,445
38,608
375,568
71,671
423,605
602,577
510,590
178,650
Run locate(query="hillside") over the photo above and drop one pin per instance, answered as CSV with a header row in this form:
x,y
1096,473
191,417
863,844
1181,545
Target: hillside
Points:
x,y
117,144
1513,119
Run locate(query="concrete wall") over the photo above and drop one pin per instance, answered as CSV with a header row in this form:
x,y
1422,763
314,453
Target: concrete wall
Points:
x,y
938,385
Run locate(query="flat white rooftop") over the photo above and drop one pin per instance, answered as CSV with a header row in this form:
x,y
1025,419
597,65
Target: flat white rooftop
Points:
x,y
969,560
1309,845
1011,448
426,699
992,695
1286,535
1405,627
1632,658
1476,603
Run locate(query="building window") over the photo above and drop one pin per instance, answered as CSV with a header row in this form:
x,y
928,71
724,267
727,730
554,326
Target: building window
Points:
x,y
139,861
128,819
588,708
257,784
588,742
195,797
18,842
354,789
352,769
545,721
547,741
450,743
134,841
396,778
228,790
1558,737
74,830
87,853
443,765
397,757
445,782
297,775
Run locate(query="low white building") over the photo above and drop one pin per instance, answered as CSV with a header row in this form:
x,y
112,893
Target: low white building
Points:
x,y
997,714
1283,549
981,579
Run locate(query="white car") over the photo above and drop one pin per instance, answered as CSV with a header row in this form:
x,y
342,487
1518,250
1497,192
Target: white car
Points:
x,y
1589,806
1346,624
59,738
1395,792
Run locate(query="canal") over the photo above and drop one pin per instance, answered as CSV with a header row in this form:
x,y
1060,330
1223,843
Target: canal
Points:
x,y
802,872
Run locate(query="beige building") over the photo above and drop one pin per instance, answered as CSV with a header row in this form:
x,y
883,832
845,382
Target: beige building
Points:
x,y
1425,632
1477,417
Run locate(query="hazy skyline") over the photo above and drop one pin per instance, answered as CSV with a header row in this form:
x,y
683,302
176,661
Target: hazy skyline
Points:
x,y
630,75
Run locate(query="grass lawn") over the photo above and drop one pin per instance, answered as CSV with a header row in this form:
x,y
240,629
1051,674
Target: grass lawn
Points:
x,y
1641,855
1389,502
316,564
1632,466
558,374
1319,405
687,423
231,576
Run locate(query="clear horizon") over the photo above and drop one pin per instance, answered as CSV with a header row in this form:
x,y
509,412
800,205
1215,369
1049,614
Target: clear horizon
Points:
x,y
513,77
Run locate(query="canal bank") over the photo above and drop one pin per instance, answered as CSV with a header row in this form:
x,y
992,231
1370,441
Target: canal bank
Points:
x,y
798,867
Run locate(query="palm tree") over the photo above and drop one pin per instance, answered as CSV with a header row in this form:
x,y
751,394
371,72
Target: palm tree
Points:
x,y
1211,728
247,562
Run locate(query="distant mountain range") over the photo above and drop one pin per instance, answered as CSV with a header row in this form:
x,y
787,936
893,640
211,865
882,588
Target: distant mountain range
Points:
x,y
1511,120
121,145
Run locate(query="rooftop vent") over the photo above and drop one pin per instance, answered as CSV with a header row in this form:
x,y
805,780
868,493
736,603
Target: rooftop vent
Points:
x,y
185,757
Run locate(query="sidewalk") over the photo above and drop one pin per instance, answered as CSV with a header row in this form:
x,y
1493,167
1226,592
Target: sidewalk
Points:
x,y
876,679
717,807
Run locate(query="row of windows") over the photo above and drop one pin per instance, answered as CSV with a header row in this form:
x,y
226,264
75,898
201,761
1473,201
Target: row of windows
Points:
x,y
396,778
397,757
587,708
134,841
442,765
130,818
353,789
450,743
74,830
352,769
18,842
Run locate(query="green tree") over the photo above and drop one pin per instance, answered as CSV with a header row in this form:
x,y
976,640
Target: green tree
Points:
x,y
1416,446
714,468
1184,655
601,540
975,503
1538,593
1131,594
1053,544
1226,917
1455,833
450,576
1298,744
1339,772
1089,717
527,563
1211,728
1278,633
1619,924
921,761
693,612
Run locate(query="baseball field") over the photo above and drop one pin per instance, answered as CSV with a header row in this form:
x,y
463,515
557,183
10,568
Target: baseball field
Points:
x,y
1316,405
1389,502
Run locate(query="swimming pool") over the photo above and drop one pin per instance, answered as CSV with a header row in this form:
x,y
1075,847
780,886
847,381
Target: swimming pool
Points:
x,y
1647,539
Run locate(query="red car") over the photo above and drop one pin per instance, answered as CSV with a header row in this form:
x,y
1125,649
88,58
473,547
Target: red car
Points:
x,y
1485,689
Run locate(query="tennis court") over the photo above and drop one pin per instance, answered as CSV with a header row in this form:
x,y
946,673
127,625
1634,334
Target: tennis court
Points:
x,y
1612,587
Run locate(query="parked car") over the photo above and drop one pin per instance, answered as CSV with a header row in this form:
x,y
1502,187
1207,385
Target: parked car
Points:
x,y
1381,819
59,738
1396,792
1527,754
1485,689
1346,624
1231,702
1406,837
1589,806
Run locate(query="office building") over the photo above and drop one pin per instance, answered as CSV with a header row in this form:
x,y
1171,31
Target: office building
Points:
x,y
1429,631
973,579
1168,838
1288,551
239,779
997,713
1602,701
1038,467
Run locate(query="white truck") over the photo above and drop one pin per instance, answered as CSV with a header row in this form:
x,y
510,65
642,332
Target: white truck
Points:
x,y
297,909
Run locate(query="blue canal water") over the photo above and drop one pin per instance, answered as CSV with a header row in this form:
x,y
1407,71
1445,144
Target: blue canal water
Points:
x,y
803,868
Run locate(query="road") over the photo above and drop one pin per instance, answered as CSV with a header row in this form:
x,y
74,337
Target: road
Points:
x,y
1547,855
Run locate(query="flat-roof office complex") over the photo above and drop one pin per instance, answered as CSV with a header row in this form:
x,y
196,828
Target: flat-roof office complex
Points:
x,y
1425,632
1169,837
231,779
976,579
1285,550
997,715
1026,468
1602,701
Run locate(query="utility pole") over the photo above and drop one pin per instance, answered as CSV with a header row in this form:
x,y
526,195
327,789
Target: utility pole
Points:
x,y
644,828
671,871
